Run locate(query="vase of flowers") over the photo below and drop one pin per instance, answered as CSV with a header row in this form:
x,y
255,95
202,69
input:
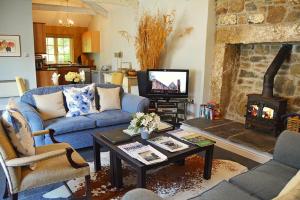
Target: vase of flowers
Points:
x,y
73,77
144,124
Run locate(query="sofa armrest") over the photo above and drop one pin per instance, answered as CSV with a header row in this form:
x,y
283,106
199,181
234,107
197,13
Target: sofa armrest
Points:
x,y
287,149
32,116
138,194
133,103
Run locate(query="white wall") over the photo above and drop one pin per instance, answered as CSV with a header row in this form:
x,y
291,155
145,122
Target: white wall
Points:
x,y
194,51
120,18
16,19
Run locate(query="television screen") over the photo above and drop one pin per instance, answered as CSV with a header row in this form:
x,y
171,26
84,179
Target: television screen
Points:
x,y
169,82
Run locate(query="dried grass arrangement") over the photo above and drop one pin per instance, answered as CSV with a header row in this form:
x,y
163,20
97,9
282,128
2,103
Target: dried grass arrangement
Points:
x,y
153,31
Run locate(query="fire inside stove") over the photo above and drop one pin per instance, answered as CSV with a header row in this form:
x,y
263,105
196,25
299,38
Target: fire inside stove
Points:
x,y
253,110
267,113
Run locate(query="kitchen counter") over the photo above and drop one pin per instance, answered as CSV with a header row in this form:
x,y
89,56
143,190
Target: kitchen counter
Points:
x,y
44,74
51,67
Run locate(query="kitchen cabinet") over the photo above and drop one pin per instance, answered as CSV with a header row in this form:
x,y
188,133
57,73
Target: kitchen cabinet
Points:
x,y
39,32
91,42
43,77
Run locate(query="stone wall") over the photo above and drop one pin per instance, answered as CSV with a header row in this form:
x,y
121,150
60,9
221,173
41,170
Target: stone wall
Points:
x,y
253,63
239,12
248,36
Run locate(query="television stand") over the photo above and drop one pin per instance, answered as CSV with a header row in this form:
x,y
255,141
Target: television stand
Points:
x,y
171,110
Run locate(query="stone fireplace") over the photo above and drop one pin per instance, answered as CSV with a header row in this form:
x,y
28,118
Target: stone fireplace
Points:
x,y
249,36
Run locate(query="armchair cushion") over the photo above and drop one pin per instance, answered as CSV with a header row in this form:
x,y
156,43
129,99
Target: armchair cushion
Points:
x,y
52,170
18,130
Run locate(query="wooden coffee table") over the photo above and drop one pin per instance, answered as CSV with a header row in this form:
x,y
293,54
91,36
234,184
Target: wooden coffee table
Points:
x,y
116,155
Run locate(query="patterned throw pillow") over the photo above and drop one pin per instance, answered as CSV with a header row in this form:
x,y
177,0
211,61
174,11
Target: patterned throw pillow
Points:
x,y
80,101
19,132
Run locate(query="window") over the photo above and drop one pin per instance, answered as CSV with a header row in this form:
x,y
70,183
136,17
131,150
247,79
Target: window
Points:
x,y
59,49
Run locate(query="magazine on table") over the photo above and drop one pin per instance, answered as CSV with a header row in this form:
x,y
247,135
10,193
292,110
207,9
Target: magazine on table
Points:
x,y
144,153
168,143
194,138
162,126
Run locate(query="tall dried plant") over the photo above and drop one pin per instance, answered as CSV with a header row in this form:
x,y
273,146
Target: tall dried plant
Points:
x,y
153,31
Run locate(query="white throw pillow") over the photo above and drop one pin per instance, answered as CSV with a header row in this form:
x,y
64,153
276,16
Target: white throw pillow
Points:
x,y
18,130
291,191
109,98
50,106
80,101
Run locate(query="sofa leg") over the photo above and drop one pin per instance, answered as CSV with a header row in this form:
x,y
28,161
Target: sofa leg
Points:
x,y
88,189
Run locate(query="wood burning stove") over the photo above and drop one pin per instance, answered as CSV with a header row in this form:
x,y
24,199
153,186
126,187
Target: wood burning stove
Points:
x,y
264,110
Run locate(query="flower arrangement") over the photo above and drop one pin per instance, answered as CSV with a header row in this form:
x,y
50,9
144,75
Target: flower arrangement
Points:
x,y
73,77
144,122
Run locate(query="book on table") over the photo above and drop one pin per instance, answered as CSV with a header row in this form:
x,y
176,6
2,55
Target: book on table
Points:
x,y
168,143
144,153
191,137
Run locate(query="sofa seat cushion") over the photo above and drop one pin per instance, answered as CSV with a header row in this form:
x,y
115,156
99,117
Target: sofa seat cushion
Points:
x,y
70,124
225,191
110,118
265,181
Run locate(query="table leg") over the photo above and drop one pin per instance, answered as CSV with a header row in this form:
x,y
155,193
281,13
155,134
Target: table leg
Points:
x,y
97,157
141,182
112,169
118,172
208,162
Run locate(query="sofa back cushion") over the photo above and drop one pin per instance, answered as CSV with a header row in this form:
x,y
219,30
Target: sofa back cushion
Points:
x,y
287,149
50,106
27,97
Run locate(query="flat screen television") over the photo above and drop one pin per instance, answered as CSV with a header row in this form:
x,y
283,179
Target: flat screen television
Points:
x,y
172,83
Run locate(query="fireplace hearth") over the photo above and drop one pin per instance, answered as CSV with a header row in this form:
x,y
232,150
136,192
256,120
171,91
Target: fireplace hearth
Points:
x,y
264,110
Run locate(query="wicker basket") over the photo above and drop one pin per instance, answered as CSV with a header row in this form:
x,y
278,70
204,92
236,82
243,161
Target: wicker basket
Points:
x,y
293,123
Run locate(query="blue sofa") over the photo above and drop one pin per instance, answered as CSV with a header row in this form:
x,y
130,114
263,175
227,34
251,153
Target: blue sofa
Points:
x,y
77,130
261,183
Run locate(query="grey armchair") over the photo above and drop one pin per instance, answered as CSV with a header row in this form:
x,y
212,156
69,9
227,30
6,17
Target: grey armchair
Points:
x,y
57,162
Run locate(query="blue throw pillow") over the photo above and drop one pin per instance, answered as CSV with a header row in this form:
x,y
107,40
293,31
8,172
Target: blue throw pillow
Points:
x,y
80,101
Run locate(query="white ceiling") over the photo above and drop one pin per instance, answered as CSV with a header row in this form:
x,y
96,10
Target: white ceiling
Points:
x,y
82,20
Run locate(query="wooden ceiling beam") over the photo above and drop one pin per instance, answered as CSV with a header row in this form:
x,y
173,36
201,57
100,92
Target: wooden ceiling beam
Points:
x,y
70,9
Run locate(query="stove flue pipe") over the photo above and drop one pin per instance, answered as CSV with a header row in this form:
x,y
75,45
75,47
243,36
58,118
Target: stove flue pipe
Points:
x,y
271,72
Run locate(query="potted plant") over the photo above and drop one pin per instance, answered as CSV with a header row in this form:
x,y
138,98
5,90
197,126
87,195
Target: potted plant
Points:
x,y
144,123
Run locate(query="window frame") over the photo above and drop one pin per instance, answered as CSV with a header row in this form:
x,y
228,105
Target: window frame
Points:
x,y
55,46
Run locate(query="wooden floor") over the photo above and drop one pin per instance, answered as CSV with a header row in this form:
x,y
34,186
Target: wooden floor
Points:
x,y
235,134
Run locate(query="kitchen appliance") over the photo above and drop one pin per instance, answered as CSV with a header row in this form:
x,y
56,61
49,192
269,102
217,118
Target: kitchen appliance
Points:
x,y
39,61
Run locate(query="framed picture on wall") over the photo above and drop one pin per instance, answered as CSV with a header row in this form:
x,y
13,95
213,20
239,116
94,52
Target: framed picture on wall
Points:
x,y
10,46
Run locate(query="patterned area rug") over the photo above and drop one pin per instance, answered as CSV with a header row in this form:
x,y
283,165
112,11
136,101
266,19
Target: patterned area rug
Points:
x,y
172,181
